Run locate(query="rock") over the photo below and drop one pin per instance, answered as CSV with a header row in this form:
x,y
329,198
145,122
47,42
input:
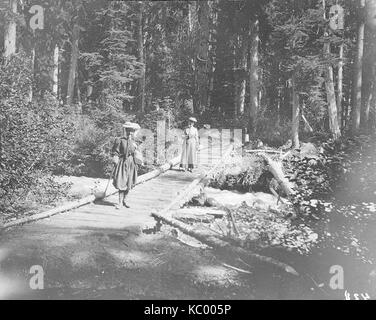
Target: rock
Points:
x,y
372,275
260,205
198,200
372,282
234,171
217,213
211,202
252,236
235,198
313,237
354,243
308,150
287,145
229,198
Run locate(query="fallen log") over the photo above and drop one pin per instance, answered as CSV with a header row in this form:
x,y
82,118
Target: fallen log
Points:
x,y
307,123
263,150
275,169
189,217
158,171
222,246
199,212
235,268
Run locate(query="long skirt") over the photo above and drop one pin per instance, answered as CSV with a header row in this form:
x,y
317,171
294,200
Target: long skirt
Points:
x,y
189,154
125,174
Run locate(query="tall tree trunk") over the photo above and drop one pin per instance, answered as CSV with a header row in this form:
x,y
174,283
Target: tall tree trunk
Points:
x,y
346,114
78,93
254,76
371,14
241,101
330,91
369,94
369,61
372,106
202,54
367,105
164,27
32,71
10,32
278,90
371,23
331,99
340,86
191,15
242,74
55,72
89,88
240,64
295,114
357,84
211,77
140,42
211,50
73,64
192,22
279,102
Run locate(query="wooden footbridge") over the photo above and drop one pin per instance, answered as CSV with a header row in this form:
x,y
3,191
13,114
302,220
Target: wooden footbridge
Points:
x,y
164,189
153,195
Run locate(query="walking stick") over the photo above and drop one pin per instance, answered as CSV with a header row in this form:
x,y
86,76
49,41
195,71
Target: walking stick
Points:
x,y
101,195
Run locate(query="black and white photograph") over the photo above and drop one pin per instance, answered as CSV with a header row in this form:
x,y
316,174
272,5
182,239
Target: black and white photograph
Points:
x,y
209,151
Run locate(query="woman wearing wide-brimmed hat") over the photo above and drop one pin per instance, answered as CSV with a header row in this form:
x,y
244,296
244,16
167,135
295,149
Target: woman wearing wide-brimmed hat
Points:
x,y
190,146
125,172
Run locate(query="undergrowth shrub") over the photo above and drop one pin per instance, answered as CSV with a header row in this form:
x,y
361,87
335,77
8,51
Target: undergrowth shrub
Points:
x,y
272,133
34,136
90,154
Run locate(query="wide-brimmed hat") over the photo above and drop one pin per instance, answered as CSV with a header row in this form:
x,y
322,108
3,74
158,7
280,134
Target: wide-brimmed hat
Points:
x,y
131,125
192,119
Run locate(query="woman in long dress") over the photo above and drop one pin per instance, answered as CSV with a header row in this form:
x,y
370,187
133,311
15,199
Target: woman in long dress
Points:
x,y
190,146
125,173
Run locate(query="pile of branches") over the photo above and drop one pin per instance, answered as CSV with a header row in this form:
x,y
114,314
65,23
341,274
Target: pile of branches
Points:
x,y
256,178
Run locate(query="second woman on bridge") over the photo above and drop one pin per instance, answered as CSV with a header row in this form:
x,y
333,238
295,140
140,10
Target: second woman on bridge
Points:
x,y
190,146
